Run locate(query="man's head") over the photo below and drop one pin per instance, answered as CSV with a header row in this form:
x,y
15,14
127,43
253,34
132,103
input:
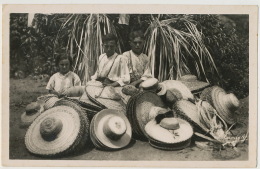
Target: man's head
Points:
x,y
109,44
136,38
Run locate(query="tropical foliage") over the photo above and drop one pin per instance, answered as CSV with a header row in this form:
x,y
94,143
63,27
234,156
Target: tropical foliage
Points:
x,y
204,45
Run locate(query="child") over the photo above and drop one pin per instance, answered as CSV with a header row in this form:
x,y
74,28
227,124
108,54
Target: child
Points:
x,y
64,79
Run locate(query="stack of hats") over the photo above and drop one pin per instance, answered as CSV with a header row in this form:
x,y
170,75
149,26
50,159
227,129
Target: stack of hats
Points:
x,y
194,85
110,130
153,85
32,110
169,134
105,97
225,104
58,131
138,108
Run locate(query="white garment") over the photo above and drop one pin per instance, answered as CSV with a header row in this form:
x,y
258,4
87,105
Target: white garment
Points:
x,y
117,73
141,65
60,82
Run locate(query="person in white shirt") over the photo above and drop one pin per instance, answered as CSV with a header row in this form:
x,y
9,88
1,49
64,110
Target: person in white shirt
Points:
x,y
138,63
112,68
64,79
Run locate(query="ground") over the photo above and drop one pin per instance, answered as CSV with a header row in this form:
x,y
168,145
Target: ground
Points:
x,y
24,91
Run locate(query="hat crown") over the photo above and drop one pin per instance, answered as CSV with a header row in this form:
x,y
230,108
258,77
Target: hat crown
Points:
x,y
150,84
114,127
50,128
170,123
231,101
32,108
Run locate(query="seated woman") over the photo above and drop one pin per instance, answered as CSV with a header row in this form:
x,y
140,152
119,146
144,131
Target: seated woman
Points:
x,y
138,63
64,79
112,68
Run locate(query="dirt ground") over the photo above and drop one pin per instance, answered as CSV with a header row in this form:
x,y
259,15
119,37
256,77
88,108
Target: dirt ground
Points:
x,y
24,91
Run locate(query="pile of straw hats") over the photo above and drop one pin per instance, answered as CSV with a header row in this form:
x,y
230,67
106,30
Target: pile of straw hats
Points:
x,y
169,134
58,131
110,130
225,104
32,110
153,85
105,97
138,108
193,84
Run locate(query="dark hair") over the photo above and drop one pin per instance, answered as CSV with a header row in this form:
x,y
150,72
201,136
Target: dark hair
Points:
x,y
136,34
61,57
109,37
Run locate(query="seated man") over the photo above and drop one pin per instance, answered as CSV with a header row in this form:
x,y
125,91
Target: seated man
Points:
x,y
137,62
112,68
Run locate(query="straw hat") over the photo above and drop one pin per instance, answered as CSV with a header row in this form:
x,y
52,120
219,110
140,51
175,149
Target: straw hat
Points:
x,y
58,131
138,109
193,83
169,138
124,97
42,99
110,129
106,97
32,110
225,104
178,88
129,90
50,102
152,84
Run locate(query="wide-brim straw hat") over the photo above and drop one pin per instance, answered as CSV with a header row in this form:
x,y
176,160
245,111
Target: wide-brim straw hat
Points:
x,y
162,138
103,137
193,84
42,99
27,118
153,85
124,97
174,85
50,102
138,109
225,104
58,131
189,111
107,99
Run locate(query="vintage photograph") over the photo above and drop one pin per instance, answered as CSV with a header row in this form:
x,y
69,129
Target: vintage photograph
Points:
x,y
129,86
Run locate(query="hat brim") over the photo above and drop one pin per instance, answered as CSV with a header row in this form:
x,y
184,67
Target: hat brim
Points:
x,y
160,134
99,121
225,114
141,107
163,89
71,137
104,102
195,86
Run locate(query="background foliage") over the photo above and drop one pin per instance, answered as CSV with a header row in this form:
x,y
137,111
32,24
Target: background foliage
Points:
x,y
33,49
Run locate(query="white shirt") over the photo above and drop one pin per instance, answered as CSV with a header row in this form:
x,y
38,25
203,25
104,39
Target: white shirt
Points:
x,y
141,64
117,73
60,82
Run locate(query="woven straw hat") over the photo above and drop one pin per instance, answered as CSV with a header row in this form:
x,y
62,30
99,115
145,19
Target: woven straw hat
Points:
x,y
58,131
180,88
105,97
42,99
50,102
166,139
153,85
124,96
225,104
193,83
110,129
32,110
138,109
129,90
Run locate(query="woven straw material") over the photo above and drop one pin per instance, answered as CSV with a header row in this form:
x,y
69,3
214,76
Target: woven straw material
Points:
x,y
99,135
141,107
216,97
69,134
85,99
93,91
107,92
169,147
180,87
150,84
74,91
189,111
129,90
95,140
193,83
26,120
124,97
50,102
42,99
156,132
